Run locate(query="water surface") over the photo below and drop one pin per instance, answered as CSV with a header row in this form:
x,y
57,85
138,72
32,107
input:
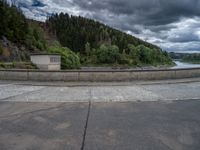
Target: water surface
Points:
x,y
185,65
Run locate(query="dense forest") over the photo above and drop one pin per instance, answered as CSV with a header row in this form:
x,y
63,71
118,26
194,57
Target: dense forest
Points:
x,y
75,31
99,44
80,41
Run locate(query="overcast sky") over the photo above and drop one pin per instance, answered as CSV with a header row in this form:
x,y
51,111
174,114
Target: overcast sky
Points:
x,y
173,25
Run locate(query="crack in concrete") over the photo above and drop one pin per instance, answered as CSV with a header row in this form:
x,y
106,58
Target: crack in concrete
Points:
x,y
87,120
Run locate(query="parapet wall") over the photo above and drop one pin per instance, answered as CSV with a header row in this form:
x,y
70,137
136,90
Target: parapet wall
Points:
x,y
98,76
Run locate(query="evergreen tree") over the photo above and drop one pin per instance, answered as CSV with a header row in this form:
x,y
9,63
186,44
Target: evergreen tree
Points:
x,y
74,32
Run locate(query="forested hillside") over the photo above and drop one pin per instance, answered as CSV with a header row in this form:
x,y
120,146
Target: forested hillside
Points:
x,y
18,36
75,31
100,44
80,41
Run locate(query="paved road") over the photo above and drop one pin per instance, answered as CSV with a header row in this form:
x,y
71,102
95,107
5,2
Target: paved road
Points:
x,y
147,117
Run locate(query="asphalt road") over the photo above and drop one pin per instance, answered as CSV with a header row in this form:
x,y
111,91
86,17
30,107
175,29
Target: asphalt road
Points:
x,y
147,117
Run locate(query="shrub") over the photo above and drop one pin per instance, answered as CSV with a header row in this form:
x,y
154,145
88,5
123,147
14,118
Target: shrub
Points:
x,y
108,54
134,54
1,50
6,53
2,65
124,58
69,60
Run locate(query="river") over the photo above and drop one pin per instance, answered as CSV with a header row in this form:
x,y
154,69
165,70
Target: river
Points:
x,y
185,65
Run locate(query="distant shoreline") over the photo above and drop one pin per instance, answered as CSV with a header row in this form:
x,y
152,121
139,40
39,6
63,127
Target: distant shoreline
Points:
x,y
181,64
191,62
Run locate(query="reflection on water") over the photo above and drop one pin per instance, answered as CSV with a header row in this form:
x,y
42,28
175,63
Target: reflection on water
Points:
x,y
185,65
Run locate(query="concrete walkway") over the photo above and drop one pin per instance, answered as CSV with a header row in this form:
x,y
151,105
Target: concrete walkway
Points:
x,y
161,115
102,92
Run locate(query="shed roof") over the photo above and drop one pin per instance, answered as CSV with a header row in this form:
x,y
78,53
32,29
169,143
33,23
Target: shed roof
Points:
x,y
42,54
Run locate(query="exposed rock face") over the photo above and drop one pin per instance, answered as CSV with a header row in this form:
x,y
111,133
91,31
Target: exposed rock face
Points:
x,y
10,52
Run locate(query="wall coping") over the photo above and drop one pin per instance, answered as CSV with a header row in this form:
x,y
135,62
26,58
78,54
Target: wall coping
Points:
x,y
110,70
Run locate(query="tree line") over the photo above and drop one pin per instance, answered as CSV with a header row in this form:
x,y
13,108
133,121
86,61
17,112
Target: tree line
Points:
x,y
75,31
186,57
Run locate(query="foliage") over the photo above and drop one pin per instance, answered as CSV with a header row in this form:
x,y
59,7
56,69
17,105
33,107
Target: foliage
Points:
x,y
124,59
100,44
107,54
87,49
1,49
16,28
13,23
17,65
186,57
135,56
192,58
2,65
94,42
69,60
144,55
35,37
6,53
74,32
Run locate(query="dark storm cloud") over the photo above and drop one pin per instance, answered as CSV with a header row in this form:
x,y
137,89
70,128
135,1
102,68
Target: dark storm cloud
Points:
x,y
184,37
148,12
171,24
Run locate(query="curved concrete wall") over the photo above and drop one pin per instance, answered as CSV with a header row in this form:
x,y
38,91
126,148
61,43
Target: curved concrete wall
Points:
x,y
97,76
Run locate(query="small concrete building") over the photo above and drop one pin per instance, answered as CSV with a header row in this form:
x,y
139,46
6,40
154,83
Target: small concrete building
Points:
x,y
46,61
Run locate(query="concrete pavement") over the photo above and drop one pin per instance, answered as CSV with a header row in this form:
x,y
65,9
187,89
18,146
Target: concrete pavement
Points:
x,y
144,126
146,91
143,116
41,126
160,125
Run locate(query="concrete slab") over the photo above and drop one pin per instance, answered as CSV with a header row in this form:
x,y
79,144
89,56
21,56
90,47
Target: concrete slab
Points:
x,y
100,93
171,125
10,90
42,126
122,93
55,94
179,91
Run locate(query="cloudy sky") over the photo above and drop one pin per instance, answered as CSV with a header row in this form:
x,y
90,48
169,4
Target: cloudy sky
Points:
x,y
173,25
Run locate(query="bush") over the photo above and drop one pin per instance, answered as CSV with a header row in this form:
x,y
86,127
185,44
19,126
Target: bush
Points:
x,y
69,60
23,65
2,65
6,53
134,54
108,54
124,58
1,50
35,38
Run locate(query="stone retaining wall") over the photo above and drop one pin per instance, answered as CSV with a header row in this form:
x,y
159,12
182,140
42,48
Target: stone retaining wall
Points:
x,y
97,76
